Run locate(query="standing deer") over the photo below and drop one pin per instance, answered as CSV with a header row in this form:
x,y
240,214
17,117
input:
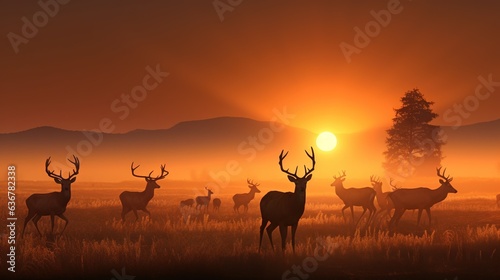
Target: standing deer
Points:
x,y
285,209
351,197
383,201
420,198
245,198
217,202
204,200
54,203
133,201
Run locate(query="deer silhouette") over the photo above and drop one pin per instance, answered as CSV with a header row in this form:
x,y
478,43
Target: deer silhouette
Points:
x,y
242,199
187,203
133,201
54,203
420,198
204,200
383,200
217,202
351,197
284,209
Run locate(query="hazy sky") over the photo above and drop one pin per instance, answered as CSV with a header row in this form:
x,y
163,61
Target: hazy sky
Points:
x,y
78,64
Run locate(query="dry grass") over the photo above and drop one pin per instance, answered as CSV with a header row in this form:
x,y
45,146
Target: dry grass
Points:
x,y
464,240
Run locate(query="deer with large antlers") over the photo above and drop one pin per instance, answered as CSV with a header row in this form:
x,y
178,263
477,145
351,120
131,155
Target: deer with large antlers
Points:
x,y
420,198
242,199
351,197
284,209
383,201
204,200
133,201
54,203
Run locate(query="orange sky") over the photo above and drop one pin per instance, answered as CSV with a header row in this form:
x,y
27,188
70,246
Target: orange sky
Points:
x,y
263,55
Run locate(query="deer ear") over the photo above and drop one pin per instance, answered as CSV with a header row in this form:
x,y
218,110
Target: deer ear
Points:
x,y
73,180
57,180
309,177
441,181
291,178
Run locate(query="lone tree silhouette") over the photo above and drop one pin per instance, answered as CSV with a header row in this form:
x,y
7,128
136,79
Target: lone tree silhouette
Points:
x,y
413,144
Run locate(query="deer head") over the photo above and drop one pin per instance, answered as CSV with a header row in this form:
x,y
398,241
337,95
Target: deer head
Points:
x,y
210,192
151,182
59,179
338,181
300,182
376,183
445,181
253,186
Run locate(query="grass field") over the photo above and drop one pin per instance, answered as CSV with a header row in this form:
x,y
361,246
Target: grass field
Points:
x,y
462,242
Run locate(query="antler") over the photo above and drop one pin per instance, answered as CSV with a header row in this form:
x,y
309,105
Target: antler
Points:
x,y
311,156
374,180
51,174
76,163
306,170
283,169
341,175
394,187
448,179
250,182
161,176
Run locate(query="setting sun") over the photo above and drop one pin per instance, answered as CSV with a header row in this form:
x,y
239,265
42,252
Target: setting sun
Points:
x,y
326,141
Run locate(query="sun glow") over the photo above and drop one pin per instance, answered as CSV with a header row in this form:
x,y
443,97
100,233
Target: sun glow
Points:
x,y
326,141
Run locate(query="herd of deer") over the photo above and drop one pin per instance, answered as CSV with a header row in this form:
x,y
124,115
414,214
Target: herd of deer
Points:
x,y
280,209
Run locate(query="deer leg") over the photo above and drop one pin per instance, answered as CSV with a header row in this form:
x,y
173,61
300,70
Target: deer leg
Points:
x,y
270,230
283,232
35,221
352,213
65,219
136,216
428,210
343,208
28,218
52,224
262,227
147,212
419,215
294,229
364,210
395,218
246,208
125,210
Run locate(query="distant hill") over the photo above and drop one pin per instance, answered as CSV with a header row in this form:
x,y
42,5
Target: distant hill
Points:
x,y
241,147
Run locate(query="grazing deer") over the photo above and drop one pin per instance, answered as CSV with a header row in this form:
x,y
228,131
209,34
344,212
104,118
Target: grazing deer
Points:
x,y
245,198
204,200
383,201
420,198
133,201
54,203
285,209
187,203
351,197
217,202
498,200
